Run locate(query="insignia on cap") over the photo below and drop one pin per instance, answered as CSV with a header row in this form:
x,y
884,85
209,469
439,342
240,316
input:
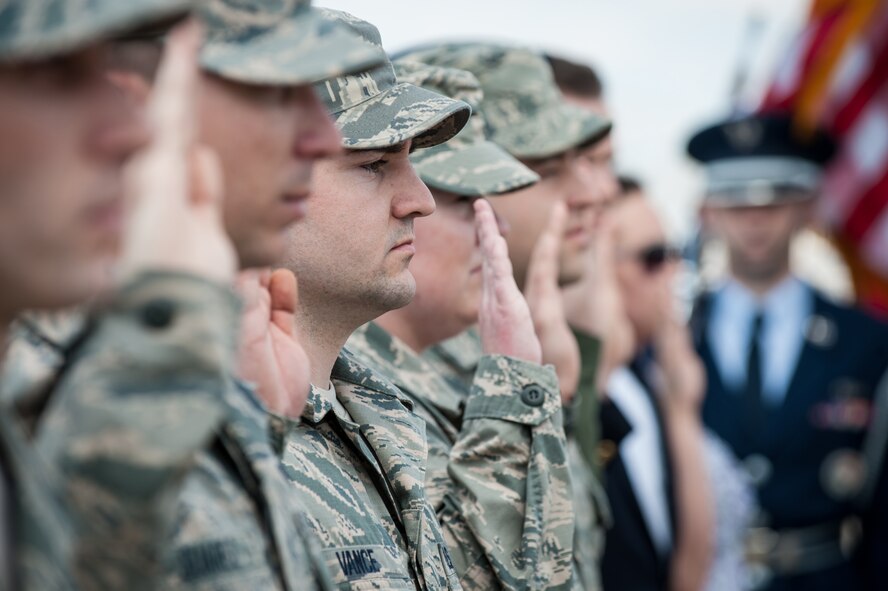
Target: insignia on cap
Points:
x,y
821,331
842,473
744,135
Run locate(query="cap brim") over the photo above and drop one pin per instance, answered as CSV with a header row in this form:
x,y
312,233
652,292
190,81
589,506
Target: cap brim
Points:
x,y
474,170
301,50
103,20
402,113
553,131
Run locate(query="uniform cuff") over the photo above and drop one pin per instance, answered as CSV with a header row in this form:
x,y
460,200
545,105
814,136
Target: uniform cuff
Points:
x,y
170,302
513,390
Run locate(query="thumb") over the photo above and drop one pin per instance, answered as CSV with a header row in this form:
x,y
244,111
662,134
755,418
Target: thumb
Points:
x,y
284,291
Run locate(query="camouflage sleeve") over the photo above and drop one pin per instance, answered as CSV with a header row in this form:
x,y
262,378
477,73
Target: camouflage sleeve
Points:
x,y
508,516
137,399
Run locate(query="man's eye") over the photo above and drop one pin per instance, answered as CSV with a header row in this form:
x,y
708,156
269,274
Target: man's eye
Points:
x,y
374,167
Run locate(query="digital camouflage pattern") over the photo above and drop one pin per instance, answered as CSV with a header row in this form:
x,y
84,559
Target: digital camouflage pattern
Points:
x,y
135,400
523,108
280,42
458,358
360,470
35,353
238,525
468,164
41,556
373,110
497,472
31,29
154,435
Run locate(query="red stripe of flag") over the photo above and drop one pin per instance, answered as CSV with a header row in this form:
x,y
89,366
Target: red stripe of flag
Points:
x,y
867,209
874,81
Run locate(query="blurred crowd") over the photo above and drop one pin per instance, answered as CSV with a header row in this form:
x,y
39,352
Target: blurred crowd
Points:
x,y
282,310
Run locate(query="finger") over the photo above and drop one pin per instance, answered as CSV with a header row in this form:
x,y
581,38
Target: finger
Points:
x,y
542,270
172,104
284,299
494,249
206,177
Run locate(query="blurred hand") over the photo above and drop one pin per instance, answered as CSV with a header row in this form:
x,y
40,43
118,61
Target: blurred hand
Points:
x,y
174,187
560,348
271,356
591,302
682,372
594,304
504,319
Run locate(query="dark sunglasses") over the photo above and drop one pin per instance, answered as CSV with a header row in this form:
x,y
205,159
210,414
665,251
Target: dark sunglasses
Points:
x,y
653,257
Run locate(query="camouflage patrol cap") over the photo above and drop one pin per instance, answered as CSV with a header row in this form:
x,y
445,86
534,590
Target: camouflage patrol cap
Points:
x,y
280,43
468,164
31,29
522,105
373,110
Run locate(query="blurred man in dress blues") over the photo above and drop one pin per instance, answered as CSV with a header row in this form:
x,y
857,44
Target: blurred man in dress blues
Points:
x,y
793,378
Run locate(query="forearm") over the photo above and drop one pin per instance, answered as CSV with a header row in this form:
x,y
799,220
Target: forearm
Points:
x,y
508,514
694,504
140,397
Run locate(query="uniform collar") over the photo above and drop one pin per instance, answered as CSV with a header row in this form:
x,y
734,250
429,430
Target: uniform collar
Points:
x,y
407,369
349,370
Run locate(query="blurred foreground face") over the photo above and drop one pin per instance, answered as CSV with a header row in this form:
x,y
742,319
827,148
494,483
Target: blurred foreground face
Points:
x,y
758,238
356,244
447,267
645,265
268,139
581,179
66,133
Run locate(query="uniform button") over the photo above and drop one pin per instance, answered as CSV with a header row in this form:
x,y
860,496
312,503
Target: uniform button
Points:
x,y
158,313
533,395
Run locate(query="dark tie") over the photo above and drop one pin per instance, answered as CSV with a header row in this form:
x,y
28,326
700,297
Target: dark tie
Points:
x,y
755,409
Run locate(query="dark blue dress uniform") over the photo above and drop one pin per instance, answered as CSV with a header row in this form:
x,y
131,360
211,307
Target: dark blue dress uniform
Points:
x,y
804,412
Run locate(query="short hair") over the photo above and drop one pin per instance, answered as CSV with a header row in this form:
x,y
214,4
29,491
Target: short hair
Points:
x,y
629,184
574,78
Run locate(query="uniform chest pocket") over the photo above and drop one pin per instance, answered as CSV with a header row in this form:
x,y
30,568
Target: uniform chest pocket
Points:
x,y
432,556
356,568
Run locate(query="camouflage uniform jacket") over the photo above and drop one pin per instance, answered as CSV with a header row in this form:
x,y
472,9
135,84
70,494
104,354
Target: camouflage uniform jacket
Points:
x,y
131,416
238,525
41,533
458,358
497,471
359,468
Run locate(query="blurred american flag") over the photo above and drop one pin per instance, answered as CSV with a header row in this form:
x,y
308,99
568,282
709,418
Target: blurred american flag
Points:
x,y
836,75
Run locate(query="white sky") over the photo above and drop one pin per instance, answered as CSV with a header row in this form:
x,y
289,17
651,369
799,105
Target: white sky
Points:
x,y
668,65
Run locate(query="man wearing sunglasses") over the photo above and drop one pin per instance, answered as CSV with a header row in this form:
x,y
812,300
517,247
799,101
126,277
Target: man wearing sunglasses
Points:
x,y
655,482
793,378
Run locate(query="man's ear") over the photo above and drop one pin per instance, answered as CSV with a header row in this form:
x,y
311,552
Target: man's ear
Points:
x,y
133,85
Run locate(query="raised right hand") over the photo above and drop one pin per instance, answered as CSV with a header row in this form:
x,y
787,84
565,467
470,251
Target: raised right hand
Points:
x,y
174,187
560,347
504,319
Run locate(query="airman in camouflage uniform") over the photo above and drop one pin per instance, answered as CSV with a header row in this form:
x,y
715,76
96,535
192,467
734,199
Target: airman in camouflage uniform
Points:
x,y
526,115
497,472
357,458
39,533
162,352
